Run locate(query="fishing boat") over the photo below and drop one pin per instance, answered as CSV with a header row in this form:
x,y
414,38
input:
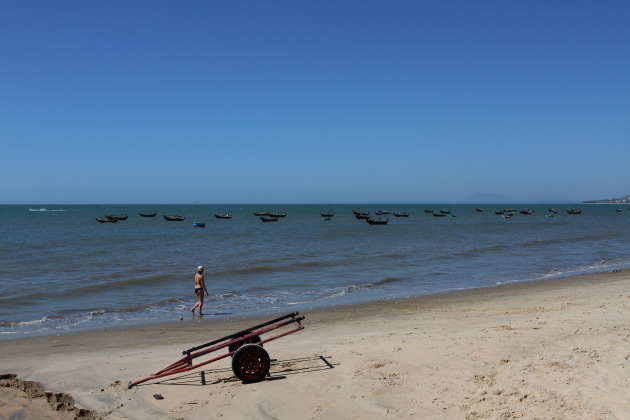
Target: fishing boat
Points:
x,y
329,214
361,215
428,210
153,214
401,214
223,216
574,211
382,212
377,221
198,223
268,219
261,213
281,214
527,211
106,220
439,214
116,217
173,218
479,210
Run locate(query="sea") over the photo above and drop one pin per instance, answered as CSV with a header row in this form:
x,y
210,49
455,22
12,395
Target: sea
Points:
x,y
63,271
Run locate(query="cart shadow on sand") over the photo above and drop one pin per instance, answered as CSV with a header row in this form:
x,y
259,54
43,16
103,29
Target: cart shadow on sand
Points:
x,y
280,369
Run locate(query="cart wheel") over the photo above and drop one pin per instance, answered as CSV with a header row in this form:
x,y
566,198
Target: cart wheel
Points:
x,y
255,339
251,363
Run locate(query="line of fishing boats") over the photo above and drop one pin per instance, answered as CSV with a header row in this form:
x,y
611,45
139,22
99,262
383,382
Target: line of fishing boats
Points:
x,y
378,220
265,216
508,213
375,218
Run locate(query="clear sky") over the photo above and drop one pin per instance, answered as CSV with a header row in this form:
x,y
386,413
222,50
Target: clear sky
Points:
x,y
314,101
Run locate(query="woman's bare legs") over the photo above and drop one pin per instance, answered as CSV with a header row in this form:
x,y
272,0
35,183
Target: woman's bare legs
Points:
x,y
199,303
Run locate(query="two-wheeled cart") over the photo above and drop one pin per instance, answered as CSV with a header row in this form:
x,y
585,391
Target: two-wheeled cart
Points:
x,y
250,361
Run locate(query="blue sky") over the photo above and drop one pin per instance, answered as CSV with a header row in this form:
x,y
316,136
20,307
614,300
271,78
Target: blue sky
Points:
x,y
313,101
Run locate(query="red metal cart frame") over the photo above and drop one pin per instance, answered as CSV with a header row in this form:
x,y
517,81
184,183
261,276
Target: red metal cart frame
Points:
x,y
250,361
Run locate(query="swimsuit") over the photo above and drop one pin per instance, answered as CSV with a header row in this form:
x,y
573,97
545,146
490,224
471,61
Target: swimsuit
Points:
x,y
197,289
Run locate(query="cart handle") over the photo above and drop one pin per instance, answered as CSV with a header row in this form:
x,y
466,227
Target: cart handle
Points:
x,y
242,333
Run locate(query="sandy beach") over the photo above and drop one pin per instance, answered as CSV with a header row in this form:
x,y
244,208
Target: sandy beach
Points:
x,y
558,349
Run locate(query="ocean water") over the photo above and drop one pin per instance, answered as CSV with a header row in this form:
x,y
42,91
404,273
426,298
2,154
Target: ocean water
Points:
x,y
62,271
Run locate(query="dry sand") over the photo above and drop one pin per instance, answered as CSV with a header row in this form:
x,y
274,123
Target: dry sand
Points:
x,y
557,349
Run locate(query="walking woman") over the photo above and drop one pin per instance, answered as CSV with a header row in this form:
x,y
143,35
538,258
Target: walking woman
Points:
x,y
200,288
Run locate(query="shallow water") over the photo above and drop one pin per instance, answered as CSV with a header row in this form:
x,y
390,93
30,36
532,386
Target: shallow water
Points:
x,y
63,271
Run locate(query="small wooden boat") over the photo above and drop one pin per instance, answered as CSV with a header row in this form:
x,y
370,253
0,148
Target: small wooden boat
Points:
x,y
223,216
439,214
329,213
377,221
527,211
281,214
428,210
574,211
445,211
153,214
106,220
401,214
173,218
268,219
361,215
261,213
499,212
479,210
199,224
116,217
382,212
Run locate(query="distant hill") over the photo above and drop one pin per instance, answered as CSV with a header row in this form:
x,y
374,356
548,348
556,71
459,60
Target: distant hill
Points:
x,y
621,200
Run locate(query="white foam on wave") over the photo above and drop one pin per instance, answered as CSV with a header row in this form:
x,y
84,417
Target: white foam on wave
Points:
x,y
329,296
600,266
28,323
45,209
